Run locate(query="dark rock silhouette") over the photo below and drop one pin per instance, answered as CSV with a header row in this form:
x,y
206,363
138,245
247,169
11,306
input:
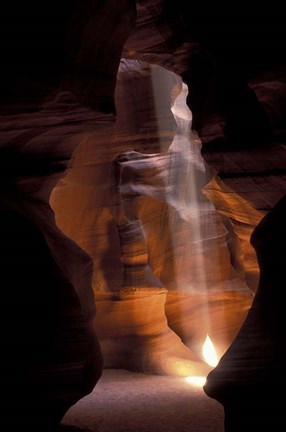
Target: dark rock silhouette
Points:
x,y
250,380
59,65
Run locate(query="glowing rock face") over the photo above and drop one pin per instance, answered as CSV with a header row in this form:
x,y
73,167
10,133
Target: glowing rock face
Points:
x,y
163,258
162,255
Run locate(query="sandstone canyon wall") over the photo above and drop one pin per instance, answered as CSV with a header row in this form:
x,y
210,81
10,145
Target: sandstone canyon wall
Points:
x,y
135,165
163,258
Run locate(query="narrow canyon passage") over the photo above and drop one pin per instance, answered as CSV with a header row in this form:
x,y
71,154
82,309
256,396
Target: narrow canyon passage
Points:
x,y
168,268
132,226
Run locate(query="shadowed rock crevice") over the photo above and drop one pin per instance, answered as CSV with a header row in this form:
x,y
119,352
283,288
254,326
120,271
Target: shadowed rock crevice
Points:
x,y
66,93
243,374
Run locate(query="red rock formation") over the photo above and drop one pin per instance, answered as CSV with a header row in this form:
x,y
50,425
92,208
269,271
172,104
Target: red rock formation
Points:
x,y
50,356
154,228
126,198
249,380
50,353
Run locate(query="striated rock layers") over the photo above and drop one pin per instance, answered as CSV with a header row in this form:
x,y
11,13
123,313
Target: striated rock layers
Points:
x,y
235,70
250,380
157,236
50,355
167,268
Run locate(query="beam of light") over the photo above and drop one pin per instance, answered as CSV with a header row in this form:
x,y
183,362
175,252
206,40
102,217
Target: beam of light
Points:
x,y
209,352
197,381
211,358
190,203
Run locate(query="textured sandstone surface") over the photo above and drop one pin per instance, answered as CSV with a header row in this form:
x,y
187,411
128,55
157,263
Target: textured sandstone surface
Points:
x,y
251,387
51,356
140,222
163,258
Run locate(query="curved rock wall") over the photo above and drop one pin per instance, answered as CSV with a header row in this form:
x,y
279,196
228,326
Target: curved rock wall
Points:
x,y
132,199
51,355
127,197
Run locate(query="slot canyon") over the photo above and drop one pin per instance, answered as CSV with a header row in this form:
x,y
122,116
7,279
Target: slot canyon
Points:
x,y
143,209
